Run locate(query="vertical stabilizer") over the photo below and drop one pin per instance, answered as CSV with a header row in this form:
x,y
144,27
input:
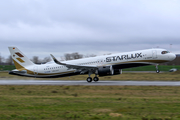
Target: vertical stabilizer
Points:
x,y
20,60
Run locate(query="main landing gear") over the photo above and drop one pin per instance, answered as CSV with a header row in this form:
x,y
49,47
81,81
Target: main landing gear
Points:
x,y
157,70
89,79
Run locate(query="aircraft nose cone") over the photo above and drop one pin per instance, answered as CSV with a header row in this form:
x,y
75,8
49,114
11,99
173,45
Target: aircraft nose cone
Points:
x,y
173,56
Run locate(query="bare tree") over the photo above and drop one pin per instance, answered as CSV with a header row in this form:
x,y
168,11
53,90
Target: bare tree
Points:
x,y
76,55
47,59
73,56
35,59
67,56
174,62
0,59
9,60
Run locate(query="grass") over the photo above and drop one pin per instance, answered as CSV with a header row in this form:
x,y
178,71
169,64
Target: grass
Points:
x,y
89,102
175,76
92,102
7,67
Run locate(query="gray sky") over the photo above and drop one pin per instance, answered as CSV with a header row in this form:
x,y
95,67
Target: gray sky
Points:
x,y
42,27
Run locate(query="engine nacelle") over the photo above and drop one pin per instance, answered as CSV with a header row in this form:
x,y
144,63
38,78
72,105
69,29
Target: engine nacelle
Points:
x,y
104,71
108,70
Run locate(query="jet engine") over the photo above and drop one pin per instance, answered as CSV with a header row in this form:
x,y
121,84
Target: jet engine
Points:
x,y
108,70
103,71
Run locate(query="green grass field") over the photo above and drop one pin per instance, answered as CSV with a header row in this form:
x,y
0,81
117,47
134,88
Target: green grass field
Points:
x,y
7,67
175,76
89,102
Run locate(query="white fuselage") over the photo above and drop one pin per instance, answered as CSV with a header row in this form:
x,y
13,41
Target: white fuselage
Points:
x,y
118,61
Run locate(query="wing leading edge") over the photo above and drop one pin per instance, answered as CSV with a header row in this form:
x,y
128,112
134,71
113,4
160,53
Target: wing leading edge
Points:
x,y
71,66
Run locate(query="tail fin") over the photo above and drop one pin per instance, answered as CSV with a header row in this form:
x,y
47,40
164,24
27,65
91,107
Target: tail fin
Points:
x,y
20,60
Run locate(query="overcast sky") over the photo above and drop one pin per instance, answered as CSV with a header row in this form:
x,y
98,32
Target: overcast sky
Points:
x,y
43,27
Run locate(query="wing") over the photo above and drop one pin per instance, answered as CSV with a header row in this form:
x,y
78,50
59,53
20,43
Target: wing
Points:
x,y
77,67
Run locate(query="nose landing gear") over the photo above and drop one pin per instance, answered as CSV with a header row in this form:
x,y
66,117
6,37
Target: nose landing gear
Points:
x,y
157,70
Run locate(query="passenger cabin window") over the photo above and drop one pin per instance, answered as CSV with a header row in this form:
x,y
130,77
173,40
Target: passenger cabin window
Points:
x,y
165,52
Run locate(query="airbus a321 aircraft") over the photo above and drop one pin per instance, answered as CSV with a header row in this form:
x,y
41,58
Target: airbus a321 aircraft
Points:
x,y
100,65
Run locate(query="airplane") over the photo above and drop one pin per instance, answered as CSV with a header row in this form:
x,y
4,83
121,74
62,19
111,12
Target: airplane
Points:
x,y
100,66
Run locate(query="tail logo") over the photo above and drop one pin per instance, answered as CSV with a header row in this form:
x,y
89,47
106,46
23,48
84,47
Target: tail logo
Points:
x,y
19,54
20,60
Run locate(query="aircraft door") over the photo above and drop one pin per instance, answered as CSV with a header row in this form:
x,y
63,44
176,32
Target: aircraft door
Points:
x,y
154,54
35,70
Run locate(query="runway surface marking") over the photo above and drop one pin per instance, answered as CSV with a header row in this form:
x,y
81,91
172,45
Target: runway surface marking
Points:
x,y
63,82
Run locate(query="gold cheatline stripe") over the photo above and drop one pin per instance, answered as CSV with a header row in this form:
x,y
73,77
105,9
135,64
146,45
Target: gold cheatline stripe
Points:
x,y
56,73
20,68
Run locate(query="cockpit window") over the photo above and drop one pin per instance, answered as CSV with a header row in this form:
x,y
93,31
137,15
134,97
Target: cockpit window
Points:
x,y
165,52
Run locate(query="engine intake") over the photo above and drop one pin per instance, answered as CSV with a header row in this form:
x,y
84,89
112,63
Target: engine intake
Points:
x,y
108,70
104,71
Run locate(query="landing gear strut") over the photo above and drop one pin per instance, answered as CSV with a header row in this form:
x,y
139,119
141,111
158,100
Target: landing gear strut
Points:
x,y
157,70
96,79
89,79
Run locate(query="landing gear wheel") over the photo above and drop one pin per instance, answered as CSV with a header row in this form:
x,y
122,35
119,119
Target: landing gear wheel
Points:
x,y
157,71
96,79
89,79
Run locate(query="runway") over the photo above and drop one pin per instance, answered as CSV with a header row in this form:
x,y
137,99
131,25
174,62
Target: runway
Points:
x,y
63,82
